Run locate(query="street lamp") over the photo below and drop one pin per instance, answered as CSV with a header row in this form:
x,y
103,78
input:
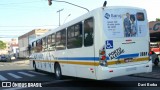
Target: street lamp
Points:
x,y
50,3
66,18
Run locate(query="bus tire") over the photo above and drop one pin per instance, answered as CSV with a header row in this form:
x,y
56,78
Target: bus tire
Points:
x,y
57,71
34,66
156,62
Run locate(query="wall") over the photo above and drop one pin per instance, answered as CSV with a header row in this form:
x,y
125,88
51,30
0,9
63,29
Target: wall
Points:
x,y
25,39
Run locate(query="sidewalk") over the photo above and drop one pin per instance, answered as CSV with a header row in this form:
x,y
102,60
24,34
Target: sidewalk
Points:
x,y
21,61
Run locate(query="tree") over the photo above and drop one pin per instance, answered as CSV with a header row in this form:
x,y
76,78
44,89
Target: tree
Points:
x,y
157,19
2,45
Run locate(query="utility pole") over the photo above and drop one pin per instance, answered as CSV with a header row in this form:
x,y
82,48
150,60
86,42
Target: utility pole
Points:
x,y
59,15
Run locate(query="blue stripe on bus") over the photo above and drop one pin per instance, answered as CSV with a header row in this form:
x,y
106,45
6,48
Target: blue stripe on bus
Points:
x,y
128,56
107,58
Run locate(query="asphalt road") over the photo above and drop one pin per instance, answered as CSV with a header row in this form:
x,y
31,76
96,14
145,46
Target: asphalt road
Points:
x,y
19,70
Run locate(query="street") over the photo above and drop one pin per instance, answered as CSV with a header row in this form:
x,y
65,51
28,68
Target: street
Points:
x,y
20,72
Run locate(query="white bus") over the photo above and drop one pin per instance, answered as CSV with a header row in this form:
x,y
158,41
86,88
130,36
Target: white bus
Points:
x,y
103,43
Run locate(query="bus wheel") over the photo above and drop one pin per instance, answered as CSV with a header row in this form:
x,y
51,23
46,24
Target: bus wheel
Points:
x,y
57,70
34,66
156,61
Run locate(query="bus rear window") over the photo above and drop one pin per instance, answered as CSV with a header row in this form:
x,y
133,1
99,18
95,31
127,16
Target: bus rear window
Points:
x,y
140,16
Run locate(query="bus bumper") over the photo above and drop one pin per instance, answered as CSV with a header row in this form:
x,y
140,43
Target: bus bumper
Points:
x,y
110,72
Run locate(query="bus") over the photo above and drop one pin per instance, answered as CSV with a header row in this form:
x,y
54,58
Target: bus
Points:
x,y
104,43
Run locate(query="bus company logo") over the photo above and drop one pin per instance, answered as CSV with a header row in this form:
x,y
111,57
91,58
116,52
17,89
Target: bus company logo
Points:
x,y
116,53
6,84
113,16
107,16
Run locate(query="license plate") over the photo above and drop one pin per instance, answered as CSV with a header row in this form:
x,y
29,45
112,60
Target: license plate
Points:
x,y
127,60
131,69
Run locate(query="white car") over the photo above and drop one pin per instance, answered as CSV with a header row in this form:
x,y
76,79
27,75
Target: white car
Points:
x,y
154,57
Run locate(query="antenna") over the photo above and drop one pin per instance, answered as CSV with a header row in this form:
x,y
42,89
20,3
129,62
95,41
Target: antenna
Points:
x,y
105,3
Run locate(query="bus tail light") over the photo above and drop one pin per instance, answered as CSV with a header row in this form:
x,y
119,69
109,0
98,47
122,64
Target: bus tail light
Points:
x,y
110,70
102,57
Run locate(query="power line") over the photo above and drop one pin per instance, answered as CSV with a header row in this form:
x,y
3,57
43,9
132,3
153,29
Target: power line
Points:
x,y
14,30
29,26
9,36
6,30
22,2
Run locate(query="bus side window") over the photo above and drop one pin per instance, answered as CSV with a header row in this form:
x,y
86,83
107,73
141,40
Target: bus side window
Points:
x,y
39,45
29,49
61,40
34,46
74,36
88,32
44,44
49,42
78,35
53,43
70,36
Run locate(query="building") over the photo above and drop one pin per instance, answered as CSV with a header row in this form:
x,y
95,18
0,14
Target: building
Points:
x,y
6,50
13,48
154,28
26,38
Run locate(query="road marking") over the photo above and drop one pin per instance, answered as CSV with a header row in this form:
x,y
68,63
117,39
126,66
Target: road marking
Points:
x,y
14,75
27,74
37,73
3,78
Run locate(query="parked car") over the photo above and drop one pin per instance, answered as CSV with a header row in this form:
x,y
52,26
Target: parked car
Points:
x,y
5,58
154,57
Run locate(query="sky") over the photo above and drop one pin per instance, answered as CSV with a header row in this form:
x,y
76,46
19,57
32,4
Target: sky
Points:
x,y
18,17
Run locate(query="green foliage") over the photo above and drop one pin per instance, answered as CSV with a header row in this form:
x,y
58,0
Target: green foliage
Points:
x,y
2,45
157,19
